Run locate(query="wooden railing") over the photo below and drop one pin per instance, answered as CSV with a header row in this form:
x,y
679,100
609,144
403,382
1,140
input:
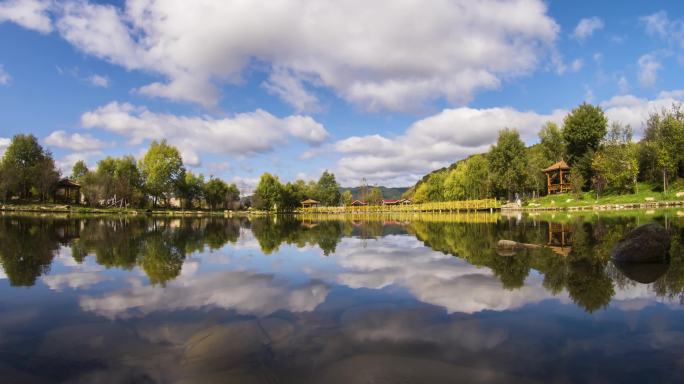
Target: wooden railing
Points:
x,y
440,206
405,217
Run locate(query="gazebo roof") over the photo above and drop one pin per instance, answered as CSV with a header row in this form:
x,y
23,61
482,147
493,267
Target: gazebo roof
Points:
x,y
68,183
561,165
309,201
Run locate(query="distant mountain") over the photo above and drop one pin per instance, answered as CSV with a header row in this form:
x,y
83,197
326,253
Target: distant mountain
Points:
x,y
387,192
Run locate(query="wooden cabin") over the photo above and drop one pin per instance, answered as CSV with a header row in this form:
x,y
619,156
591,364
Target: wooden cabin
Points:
x,y
557,178
67,191
310,203
358,203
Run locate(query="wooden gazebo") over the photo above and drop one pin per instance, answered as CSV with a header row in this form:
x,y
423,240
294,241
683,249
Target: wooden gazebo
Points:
x,y
68,191
308,203
557,178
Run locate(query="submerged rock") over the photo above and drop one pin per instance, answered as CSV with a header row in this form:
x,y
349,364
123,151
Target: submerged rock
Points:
x,y
644,273
645,244
510,247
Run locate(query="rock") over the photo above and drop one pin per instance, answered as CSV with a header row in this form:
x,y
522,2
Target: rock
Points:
x,y
646,243
568,200
644,273
649,198
510,247
680,194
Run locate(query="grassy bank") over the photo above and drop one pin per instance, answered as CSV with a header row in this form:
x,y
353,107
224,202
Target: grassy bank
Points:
x,y
80,209
645,196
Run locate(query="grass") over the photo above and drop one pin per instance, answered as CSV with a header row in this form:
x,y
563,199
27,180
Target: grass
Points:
x,y
27,206
645,191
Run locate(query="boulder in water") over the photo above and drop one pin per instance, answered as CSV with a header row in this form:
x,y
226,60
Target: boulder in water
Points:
x,y
645,273
644,244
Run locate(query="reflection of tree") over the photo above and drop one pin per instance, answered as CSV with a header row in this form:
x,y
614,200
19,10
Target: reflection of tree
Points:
x,y
588,285
158,245
160,260
27,249
271,232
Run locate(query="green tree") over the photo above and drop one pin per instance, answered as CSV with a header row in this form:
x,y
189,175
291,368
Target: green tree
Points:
x,y
664,136
268,193
616,160
191,188
328,189
508,162
79,170
232,196
215,191
347,197
24,159
577,180
162,169
46,178
375,196
537,161
552,144
583,129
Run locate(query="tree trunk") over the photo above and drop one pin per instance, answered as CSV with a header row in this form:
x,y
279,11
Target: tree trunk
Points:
x,y
664,180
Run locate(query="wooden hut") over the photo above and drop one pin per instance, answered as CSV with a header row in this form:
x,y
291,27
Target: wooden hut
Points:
x,y
68,191
557,178
309,203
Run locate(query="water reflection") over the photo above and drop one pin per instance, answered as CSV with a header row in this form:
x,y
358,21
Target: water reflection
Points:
x,y
384,299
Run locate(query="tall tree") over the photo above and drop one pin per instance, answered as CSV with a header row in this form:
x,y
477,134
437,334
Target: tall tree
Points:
x,y
347,197
24,158
47,177
616,160
328,189
79,170
268,193
215,191
191,188
665,137
375,196
551,142
583,129
162,169
508,161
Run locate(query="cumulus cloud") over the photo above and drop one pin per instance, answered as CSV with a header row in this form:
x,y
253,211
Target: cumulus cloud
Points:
x,y
453,134
576,65
30,14
75,141
4,76
98,81
649,65
586,27
243,291
379,55
243,134
431,143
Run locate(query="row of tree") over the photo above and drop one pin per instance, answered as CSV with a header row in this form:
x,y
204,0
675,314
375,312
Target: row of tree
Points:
x,y
272,194
28,171
601,156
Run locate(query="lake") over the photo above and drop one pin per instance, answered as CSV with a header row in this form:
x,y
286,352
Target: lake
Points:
x,y
393,299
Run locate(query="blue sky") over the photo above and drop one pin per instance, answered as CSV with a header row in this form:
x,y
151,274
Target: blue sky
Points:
x,y
382,90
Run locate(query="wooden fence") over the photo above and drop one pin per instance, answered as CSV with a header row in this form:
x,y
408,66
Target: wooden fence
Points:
x,y
404,217
441,206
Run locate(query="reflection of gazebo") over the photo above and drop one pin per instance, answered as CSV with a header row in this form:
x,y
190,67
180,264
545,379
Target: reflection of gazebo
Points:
x,y
308,203
556,178
68,191
560,238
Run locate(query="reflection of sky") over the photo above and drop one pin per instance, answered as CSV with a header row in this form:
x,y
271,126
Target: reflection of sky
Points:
x,y
387,308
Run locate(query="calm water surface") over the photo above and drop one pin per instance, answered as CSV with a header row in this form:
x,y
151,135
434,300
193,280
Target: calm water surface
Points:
x,y
316,300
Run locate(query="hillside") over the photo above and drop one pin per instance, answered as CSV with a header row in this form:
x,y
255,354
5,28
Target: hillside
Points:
x,y
387,192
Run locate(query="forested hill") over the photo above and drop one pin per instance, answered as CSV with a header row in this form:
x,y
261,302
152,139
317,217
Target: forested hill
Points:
x,y
387,192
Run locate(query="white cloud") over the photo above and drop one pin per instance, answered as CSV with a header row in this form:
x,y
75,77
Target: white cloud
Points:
x,y
623,85
576,65
31,14
659,24
75,141
5,78
374,54
291,89
243,134
431,143
98,81
586,27
243,291
4,143
649,65
629,109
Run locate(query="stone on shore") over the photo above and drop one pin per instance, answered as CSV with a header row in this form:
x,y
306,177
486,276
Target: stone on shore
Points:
x,y
646,243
